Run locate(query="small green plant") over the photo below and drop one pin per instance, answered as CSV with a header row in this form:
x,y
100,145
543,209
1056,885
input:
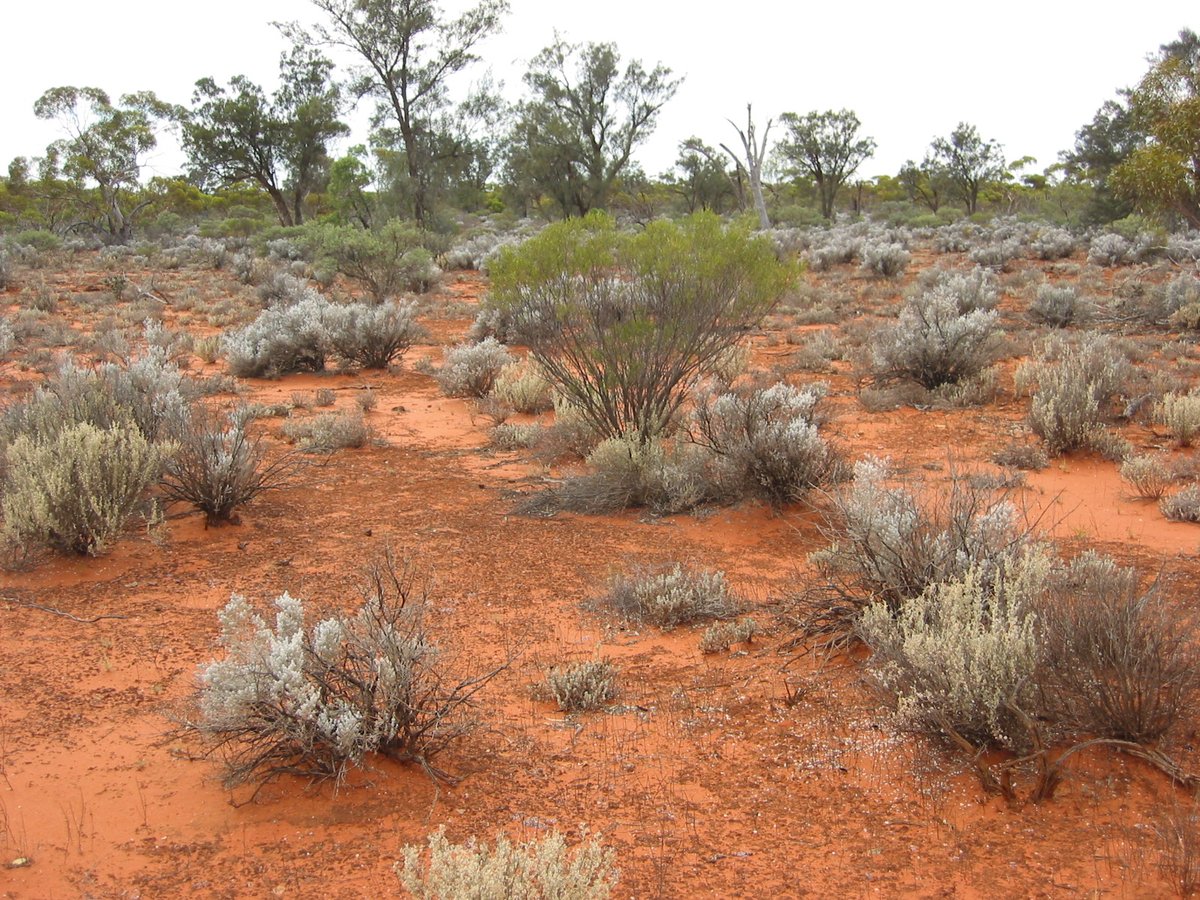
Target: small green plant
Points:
x,y
389,260
540,869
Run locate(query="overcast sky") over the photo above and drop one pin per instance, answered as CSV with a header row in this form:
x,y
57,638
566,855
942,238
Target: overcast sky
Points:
x,y
1027,74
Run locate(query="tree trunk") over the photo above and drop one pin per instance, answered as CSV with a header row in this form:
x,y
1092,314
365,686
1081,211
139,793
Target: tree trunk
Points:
x,y
281,205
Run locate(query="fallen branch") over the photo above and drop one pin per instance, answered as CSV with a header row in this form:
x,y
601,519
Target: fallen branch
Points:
x,y
65,615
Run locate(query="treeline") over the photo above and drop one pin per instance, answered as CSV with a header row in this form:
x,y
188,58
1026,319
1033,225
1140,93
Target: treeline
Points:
x,y
256,159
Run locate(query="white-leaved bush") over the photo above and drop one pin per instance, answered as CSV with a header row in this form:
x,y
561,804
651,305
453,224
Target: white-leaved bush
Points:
x,y
672,596
314,700
471,370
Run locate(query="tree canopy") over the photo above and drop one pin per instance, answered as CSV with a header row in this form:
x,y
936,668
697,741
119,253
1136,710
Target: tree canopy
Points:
x,y
826,147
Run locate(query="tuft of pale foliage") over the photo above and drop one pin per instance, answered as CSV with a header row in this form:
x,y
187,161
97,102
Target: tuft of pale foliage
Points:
x,y
372,337
1075,385
524,389
329,431
282,340
884,259
1147,474
957,656
582,685
672,597
540,869
1180,413
721,636
1183,506
765,441
1058,306
75,488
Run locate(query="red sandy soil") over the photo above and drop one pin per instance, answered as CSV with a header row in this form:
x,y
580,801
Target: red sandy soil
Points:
x,y
744,774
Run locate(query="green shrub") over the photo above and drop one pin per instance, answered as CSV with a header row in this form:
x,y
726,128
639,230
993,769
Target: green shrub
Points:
x,y
75,488
389,260
624,325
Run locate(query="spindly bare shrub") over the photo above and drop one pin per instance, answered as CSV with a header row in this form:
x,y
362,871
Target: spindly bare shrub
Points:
x,y
935,343
315,701
1120,662
471,370
581,686
218,467
672,596
74,488
1076,384
958,656
765,441
1180,413
539,869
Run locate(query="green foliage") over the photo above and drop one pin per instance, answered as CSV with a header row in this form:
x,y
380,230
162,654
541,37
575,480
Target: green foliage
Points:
x,y
1163,175
408,52
574,137
389,260
825,147
237,134
624,325
107,150
968,163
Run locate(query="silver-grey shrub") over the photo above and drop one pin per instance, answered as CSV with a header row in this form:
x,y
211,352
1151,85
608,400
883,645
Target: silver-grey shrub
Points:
x,y
886,260
290,697
1180,413
471,370
935,343
8,270
372,336
765,441
996,255
1058,306
282,340
973,290
1052,243
889,542
1075,385
1183,506
672,596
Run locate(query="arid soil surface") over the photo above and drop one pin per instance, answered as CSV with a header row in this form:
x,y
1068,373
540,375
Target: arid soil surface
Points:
x,y
756,772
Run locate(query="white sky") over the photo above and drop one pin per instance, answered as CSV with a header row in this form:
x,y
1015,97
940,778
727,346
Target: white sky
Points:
x,y
1027,74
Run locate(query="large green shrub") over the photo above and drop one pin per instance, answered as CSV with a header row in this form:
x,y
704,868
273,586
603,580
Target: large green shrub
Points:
x,y
389,260
625,324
